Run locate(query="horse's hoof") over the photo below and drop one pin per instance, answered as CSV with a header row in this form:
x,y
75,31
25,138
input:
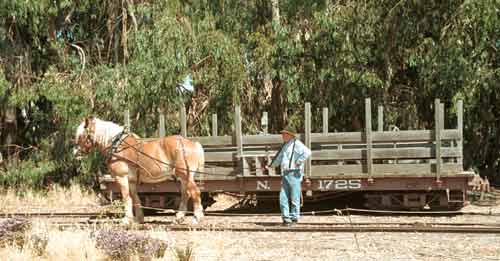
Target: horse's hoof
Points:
x,y
127,221
180,215
199,216
179,221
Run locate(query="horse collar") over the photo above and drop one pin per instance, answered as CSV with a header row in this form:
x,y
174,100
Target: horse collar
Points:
x,y
116,142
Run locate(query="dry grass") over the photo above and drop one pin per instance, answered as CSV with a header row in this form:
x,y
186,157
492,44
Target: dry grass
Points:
x,y
56,199
62,245
78,244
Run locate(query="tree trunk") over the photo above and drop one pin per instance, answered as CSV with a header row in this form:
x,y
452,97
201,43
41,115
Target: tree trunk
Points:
x,y
10,130
276,11
279,108
278,97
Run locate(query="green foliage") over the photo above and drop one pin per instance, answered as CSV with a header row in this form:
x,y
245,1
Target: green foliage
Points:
x,y
26,175
4,86
62,60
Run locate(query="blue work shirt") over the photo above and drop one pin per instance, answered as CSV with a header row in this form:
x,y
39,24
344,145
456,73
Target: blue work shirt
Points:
x,y
284,158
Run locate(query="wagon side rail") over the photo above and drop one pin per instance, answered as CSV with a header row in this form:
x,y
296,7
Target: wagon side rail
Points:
x,y
367,153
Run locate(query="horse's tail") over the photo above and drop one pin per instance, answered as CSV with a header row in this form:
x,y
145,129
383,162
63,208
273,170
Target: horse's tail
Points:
x,y
201,157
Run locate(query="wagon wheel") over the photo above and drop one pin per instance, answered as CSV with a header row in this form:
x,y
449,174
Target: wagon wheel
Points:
x,y
206,201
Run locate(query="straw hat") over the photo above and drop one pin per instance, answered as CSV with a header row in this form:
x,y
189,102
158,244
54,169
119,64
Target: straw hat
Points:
x,y
289,130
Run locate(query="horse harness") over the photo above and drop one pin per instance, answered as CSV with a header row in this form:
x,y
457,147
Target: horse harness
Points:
x,y
180,146
119,144
116,147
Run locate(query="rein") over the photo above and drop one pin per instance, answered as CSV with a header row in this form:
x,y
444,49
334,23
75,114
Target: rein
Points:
x,y
171,165
116,147
112,150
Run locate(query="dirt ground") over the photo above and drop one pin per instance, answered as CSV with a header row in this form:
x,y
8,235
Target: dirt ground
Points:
x,y
339,246
345,246
220,245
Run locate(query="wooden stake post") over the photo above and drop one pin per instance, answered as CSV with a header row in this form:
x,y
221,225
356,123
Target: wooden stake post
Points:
x,y
239,141
368,133
437,117
183,122
214,125
307,139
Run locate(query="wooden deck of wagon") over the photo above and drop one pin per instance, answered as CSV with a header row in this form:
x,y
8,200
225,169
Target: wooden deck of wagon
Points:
x,y
370,154
412,169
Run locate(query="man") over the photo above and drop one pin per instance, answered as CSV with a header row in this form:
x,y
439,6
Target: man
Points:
x,y
290,158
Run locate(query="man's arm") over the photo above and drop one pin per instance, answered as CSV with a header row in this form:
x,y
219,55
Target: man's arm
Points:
x,y
303,153
277,160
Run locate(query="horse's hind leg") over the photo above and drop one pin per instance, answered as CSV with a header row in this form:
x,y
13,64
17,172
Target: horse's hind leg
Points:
x,y
127,200
194,192
183,204
139,214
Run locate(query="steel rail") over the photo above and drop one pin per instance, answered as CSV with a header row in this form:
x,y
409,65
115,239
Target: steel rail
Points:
x,y
423,213
317,224
343,211
495,230
348,228
60,214
169,212
276,227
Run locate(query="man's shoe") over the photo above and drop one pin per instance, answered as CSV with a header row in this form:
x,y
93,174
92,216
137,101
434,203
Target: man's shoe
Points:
x,y
287,224
295,221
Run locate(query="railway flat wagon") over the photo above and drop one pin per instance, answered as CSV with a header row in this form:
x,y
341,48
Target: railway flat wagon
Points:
x,y
403,169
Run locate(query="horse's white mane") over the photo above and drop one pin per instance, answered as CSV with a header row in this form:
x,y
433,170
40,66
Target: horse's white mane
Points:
x,y
104,133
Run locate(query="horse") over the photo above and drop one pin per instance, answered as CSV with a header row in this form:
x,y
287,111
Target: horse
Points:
x,y
131,161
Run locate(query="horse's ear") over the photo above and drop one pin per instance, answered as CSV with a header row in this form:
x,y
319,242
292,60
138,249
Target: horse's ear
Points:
x,y
87,121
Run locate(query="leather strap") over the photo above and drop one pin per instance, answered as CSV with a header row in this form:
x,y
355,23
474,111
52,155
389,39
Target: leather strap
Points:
x,y
291,157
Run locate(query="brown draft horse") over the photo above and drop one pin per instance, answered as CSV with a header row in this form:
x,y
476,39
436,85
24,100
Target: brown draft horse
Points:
x,y
131,161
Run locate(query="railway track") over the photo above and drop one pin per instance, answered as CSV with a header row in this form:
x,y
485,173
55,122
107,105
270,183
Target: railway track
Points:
x,y
98,220
475,228
61,214
248,213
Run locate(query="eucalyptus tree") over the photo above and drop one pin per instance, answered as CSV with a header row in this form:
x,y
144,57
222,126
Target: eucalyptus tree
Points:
x,y
61,60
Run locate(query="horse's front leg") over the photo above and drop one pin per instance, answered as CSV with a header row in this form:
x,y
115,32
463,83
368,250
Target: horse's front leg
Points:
x,y
127,200
139,214
133,180
181,212
195,194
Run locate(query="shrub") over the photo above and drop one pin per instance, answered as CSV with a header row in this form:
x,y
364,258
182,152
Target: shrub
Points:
x,y
122,244
184,254
38,243
28,174
13,230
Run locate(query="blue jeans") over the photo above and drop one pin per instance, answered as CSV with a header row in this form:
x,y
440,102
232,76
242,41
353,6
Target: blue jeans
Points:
x,y
290,191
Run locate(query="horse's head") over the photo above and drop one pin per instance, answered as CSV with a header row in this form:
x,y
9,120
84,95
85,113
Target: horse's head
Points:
x,y
84,138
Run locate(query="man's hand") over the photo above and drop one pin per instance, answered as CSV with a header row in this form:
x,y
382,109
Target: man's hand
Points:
x,y
299,163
